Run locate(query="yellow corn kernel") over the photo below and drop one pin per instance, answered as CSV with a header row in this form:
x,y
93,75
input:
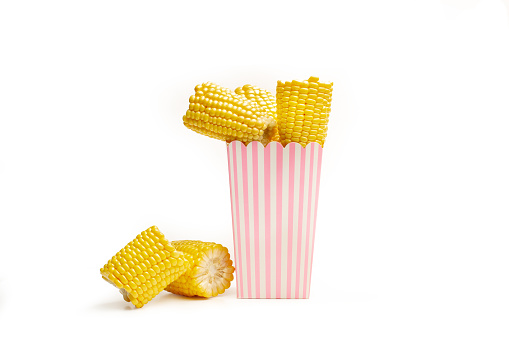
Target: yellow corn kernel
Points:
x,y
263,98
302,110
222,114
143,265
210,272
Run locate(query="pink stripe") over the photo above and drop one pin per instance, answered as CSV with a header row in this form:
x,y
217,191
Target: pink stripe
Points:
x,y
291,178
246,219
318,171
255,147
299,226
231,200
279,216
230,175
308,221
238,255
267,219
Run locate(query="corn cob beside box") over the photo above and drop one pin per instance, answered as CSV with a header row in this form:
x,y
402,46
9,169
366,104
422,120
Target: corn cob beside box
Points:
x,y
210,271
222,114
144,267
303,109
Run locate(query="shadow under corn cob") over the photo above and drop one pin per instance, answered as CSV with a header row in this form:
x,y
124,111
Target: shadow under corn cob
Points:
x,y
303,109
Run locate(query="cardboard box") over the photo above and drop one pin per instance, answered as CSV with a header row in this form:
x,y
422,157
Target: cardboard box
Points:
x,y
274,199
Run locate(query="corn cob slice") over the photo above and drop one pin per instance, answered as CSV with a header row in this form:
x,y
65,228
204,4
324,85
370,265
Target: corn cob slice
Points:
x,y
303,109
263,98
210,272
144,267
219,113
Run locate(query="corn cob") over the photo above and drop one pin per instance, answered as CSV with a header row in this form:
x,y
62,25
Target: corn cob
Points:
x,y
263,98
303,109
219,113
210,271
144,267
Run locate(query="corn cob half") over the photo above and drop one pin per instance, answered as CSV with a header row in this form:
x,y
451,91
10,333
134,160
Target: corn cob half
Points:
x,y
222,114
144,267
303,109
210,272
263,98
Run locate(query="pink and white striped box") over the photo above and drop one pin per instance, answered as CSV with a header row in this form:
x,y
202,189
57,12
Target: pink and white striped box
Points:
x,y
274,198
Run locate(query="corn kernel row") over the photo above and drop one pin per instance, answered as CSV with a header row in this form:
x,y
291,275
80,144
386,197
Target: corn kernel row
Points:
x,y
210,271
263,98
220,113
303,109
144,267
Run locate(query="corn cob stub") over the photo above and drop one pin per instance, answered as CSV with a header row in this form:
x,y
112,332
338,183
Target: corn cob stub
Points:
x,y
263,98
210,272
303,109
144,267
220,113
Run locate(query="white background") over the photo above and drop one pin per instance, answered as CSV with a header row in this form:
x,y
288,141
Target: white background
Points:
x,y
412,230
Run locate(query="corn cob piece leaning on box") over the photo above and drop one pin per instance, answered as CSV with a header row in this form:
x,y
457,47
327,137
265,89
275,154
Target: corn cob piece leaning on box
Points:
x,y
144,267
303,109
210,272
263,98
222,114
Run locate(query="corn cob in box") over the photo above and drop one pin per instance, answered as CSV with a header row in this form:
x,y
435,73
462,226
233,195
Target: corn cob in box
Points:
x,y
303,109
222,114
210,271
263,98
144,267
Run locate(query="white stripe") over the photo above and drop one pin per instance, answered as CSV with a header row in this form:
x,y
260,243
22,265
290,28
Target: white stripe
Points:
x,y
284,227
242,253
261,218
234,211
304,225
273,206
313,213
249,163
296,192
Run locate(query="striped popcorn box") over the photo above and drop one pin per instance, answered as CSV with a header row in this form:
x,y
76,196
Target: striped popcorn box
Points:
x,y
274,200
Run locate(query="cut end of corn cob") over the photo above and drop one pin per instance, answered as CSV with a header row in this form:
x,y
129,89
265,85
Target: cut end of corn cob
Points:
x,y
210,272
220,113
144,267
264,99
303,109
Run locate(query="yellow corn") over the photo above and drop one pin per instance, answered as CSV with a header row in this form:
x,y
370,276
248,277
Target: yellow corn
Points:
x,y
144,267
222,114
263,98
303,109
210,271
